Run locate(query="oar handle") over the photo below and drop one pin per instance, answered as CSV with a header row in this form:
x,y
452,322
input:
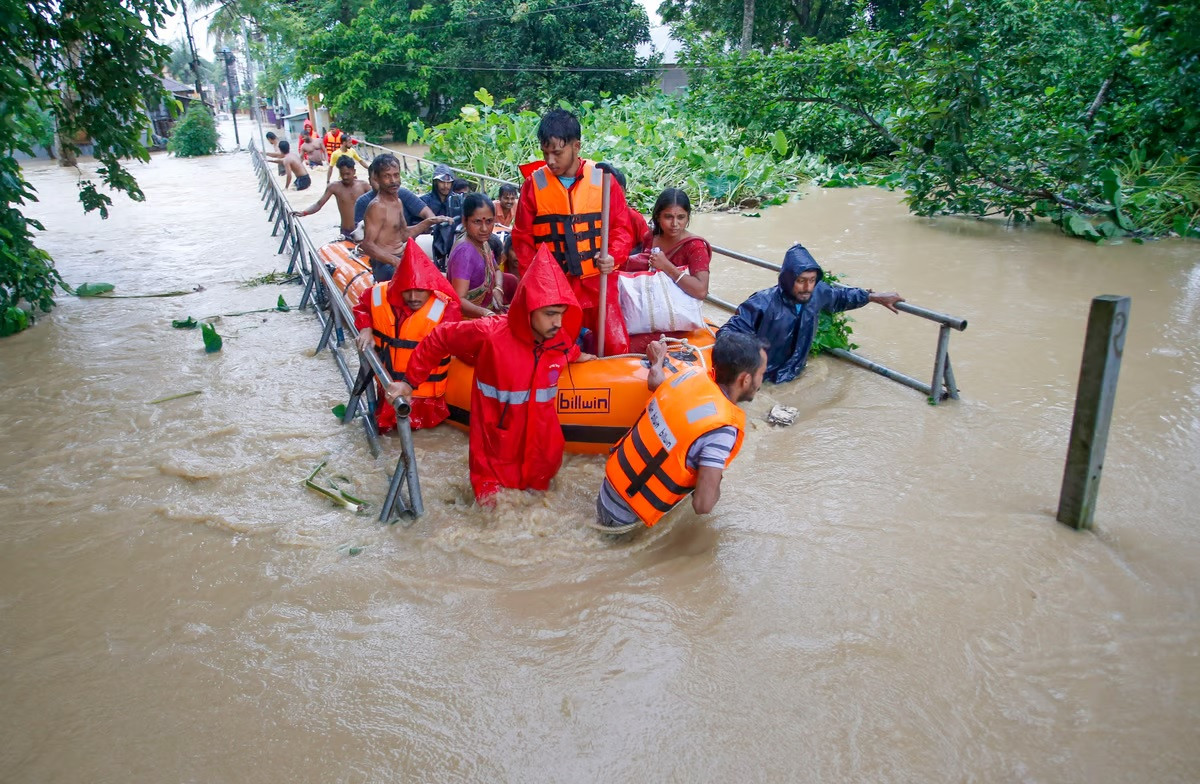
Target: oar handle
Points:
x,y
605,204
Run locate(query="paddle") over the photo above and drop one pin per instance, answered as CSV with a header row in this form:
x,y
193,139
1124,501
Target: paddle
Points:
x,y
604,209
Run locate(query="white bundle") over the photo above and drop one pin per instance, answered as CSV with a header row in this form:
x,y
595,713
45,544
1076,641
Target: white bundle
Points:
x,y
654,303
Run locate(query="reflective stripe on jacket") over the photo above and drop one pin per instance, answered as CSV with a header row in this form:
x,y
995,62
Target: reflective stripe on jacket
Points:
x,y
648,467
401,344
569,220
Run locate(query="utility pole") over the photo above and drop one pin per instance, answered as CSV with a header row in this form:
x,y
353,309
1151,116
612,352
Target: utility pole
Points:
x,y
231,82
255,114
192,46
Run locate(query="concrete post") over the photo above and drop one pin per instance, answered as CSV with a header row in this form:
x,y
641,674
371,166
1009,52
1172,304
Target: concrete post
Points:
x,y
1102,350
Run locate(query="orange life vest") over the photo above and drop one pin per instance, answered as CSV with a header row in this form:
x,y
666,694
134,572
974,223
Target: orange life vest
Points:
x,y
648,467
400,345
569,220
332,141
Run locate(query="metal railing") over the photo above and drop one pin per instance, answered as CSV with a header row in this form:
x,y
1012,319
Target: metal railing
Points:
x,y
404,489
943,373
420,164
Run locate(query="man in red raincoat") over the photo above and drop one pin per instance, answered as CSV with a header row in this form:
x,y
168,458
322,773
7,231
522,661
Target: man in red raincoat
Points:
x,y
516,439
559,209
396,317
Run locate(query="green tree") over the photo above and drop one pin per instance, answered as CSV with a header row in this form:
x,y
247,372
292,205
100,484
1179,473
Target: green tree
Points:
x,y
89,63
1078,111
398,59
784,23
195,134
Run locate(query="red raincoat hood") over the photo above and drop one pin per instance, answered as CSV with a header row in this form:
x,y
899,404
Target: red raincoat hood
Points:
x,y
544,284
416,271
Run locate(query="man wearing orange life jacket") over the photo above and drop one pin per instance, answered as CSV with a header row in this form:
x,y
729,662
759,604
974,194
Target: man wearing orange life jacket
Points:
x,y
395,317
516,438
559,209
332,140
688,435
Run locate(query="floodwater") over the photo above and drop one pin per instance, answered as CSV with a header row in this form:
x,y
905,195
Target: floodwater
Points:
x,y
882,594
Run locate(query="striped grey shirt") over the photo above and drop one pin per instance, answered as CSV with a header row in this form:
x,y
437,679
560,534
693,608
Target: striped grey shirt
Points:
x,y
710,450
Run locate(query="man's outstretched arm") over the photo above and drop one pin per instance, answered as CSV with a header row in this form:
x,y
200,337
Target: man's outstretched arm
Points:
x,y
320,203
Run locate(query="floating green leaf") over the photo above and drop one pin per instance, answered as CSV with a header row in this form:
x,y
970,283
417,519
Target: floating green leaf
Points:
x,y
212,341
93,289
282,305
188,323
339,410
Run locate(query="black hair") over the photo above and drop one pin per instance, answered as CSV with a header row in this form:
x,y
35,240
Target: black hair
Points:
x,y
508,188
735,353
559,124
271,135
381,162
671,197
457,185
474,201
617,174
345,162
284,147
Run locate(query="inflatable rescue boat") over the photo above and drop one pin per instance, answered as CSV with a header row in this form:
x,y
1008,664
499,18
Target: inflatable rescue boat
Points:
x,y
597,401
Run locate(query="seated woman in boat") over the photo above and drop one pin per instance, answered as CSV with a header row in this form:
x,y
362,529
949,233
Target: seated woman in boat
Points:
x,y
674,251
474,272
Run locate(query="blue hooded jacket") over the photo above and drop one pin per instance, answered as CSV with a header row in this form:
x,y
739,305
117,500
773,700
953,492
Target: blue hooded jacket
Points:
x,y
787,326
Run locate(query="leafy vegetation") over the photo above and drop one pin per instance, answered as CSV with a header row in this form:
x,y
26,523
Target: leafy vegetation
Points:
x,y
195,134
1082,112
86,65
395,60
649,137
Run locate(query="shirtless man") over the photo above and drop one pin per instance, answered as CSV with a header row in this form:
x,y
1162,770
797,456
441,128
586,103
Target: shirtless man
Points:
x,y
384,228
314,151
346,191
291,161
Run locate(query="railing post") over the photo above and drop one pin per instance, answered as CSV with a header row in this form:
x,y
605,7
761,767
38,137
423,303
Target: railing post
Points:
x,y
939,365
1103,347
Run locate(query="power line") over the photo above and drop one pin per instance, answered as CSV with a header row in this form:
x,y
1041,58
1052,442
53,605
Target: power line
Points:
x,y
508,17
510,68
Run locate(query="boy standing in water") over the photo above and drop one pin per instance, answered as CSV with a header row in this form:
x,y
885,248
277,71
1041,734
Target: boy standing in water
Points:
x,y
292,163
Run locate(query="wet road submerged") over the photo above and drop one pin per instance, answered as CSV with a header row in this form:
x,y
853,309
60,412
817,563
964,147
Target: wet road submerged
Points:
x,y
882,594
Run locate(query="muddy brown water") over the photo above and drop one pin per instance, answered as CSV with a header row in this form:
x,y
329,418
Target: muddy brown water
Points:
x,y
882,594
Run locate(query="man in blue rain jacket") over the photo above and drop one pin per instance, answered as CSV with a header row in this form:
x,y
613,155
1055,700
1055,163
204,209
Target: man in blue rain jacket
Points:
x,y
786,315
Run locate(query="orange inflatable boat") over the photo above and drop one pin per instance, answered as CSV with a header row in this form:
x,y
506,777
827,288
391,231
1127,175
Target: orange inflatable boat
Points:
x,y
597,401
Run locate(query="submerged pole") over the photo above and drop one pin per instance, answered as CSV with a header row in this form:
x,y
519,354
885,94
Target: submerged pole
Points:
x,y
1103,347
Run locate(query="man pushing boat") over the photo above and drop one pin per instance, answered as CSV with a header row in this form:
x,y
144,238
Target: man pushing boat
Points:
x,y
395,317
516,440
688,435
560,209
